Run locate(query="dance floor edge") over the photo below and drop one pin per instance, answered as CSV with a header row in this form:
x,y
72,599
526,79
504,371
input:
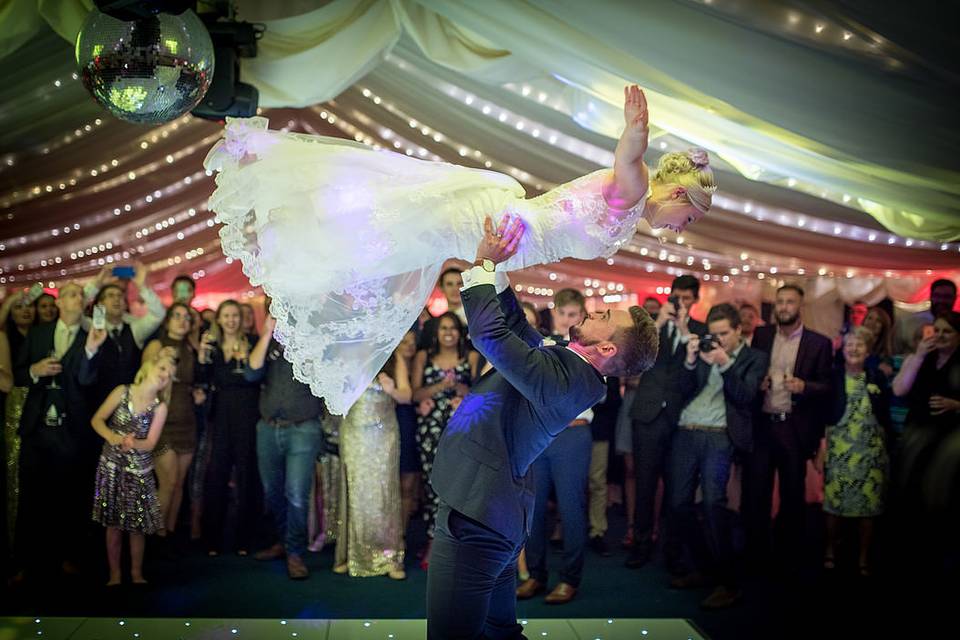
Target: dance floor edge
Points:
x,y
299,629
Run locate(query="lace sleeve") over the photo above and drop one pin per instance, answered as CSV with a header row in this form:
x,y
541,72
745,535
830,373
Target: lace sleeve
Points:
x,y
579,222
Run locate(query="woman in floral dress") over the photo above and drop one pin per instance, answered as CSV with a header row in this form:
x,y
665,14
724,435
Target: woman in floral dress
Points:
x,y
441,376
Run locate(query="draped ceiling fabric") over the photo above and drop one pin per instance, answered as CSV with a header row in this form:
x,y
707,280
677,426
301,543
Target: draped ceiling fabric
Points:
x,y
836,146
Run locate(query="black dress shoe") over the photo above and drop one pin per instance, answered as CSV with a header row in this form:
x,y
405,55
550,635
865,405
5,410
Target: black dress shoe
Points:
x,y
600,547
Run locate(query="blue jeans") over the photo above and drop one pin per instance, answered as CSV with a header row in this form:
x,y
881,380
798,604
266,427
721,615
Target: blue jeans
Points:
x,y
703,458
286,456
565,465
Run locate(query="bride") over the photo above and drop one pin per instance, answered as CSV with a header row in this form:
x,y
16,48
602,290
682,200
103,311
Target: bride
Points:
x,y
348,241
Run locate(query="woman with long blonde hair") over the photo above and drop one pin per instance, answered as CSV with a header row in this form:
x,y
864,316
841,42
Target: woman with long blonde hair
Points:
x,y
125,494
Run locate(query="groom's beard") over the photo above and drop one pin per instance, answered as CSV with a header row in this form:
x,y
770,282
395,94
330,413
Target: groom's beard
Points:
x,y
577,336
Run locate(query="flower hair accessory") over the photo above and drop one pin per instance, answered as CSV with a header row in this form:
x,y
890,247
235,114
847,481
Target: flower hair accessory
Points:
x,y
698,157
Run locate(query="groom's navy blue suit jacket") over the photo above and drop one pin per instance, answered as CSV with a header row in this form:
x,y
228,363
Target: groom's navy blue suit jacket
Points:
x,y
482,466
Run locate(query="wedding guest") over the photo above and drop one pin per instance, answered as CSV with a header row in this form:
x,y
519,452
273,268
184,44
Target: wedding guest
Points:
x,y
47,309
655,411
58,364
652,306
749,321
720,379
407,422
930,381
126,334
880,353
177,445
855,460
233,432
125,495
440,373
289,437
17,316
249,322
943,297
788,430
449,284
370,540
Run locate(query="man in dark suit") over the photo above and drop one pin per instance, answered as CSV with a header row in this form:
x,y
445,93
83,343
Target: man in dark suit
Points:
x,y
127,335
721,378
787,429
57,447
481,471
655,411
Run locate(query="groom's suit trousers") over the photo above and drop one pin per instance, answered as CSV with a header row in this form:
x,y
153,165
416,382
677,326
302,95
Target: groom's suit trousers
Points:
x,y
471,586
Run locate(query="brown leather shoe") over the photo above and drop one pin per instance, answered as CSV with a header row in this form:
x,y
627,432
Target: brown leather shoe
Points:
x,y
561,594
271,553
722,598
296,569
690,581
529,588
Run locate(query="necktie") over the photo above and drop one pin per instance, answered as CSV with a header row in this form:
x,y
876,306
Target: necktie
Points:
x,y
63,339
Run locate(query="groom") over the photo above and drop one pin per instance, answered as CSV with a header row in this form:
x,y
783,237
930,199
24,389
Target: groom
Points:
x,y
482,467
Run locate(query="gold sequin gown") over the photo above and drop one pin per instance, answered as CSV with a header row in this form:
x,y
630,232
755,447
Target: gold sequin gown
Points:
x,y
370,537
14,409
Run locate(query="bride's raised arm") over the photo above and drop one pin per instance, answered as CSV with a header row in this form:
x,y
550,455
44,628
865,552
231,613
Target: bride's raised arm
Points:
x,y
630,178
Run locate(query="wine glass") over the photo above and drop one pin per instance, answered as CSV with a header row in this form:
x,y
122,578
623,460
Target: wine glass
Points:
x,y
53,379
207,341
239,354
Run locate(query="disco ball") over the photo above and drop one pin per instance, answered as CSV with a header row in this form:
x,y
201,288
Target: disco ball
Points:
x,y
149,71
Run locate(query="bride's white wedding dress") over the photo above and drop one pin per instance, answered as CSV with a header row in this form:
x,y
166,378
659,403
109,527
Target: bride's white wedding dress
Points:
x,y
349,242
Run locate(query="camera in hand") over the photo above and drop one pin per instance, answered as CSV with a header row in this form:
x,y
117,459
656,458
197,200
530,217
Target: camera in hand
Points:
x,y
708,342
675,301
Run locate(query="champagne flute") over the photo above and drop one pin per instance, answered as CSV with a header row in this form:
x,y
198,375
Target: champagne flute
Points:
x,y
53,379
207,341
238,356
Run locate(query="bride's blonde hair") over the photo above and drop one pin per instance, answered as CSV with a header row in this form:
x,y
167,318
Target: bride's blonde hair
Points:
x,y
689,169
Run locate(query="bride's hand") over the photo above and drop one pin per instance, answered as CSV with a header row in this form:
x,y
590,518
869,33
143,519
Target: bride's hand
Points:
x,y
636,133
501,243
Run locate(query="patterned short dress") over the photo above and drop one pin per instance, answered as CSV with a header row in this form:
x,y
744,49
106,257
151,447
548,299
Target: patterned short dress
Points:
x,y
429,429
857,465
125,491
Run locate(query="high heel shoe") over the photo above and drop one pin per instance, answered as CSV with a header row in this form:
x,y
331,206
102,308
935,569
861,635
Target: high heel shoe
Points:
x,y
341,569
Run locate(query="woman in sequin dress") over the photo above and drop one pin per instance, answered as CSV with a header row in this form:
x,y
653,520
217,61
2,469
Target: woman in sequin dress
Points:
x,y
17,315
125,493
370,539
174,452
857,465
441,373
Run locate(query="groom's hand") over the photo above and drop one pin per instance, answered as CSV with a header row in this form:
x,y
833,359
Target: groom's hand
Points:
x,y
500,244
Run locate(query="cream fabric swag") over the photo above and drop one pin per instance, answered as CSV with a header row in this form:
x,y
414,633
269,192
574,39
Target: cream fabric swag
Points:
x,y
775,110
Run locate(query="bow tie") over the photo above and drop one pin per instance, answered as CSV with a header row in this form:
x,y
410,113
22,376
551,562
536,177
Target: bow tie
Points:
x,y
554,341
